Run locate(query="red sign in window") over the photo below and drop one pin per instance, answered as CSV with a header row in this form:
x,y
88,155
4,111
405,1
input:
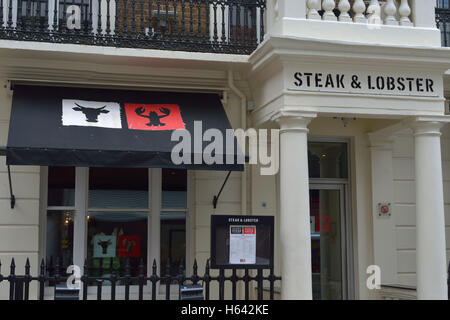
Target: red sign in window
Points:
x,y
129,246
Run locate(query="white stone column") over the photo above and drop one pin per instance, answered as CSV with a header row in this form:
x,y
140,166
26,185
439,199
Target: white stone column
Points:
x,y
295,237
430,224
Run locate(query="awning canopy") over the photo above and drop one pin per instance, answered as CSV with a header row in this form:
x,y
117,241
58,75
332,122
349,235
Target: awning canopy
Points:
x,y
55,126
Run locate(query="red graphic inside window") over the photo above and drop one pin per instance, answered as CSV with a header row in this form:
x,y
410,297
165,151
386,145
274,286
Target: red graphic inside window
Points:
x,y
129,246
249,230
323,224
153,116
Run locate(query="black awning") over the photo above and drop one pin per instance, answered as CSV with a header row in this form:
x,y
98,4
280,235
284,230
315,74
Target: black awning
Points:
x,y
55,126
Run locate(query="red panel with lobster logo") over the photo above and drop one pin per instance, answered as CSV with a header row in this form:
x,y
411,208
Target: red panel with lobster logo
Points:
x,y
129,246
153,116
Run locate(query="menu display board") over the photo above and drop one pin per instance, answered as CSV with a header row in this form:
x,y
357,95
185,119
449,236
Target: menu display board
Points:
x,y
242,244
242,241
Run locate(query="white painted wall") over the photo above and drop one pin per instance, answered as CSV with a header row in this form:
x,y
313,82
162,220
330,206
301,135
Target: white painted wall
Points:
x,y
207,185
404,202
19,227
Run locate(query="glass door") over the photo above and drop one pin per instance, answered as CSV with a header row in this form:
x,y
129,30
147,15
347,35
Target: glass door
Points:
x,y
327,221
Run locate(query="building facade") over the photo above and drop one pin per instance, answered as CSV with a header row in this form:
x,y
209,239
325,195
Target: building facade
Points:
x,y
357,90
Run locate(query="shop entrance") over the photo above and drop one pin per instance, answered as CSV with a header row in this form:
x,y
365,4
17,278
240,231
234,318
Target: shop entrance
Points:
x,y
329,219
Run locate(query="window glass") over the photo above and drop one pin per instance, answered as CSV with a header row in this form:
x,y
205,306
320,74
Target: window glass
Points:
x,y
173,241
59,240
174,186
326,244
327,160
173,222
118,188
115,237
61,186
443,4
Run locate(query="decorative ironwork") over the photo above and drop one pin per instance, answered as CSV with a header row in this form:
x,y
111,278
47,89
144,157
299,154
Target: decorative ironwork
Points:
x,y
443,23
54,275
218,26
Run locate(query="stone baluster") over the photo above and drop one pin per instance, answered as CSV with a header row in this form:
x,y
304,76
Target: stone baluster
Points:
x,y
328,7
313,8
359,7
404,10
344,7
374,11
390,10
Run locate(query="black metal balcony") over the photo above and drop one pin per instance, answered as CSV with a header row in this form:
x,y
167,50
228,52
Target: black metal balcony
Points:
x,y
218,26
443,21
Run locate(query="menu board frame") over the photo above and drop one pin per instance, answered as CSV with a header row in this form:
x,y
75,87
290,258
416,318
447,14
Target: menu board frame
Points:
x,y
221,226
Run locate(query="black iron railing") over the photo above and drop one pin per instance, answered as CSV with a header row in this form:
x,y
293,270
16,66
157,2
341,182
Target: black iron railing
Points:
x,y
219,26
54,276
443,20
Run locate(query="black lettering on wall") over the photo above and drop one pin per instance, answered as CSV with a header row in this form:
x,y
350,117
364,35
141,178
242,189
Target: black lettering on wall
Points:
x,y
429,85
298,77
401,84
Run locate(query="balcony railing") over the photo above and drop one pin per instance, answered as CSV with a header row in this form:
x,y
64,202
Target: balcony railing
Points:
x,y
443,21
219,26
379,12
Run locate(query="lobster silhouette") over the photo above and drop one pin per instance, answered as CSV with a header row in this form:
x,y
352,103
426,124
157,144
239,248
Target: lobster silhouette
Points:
x,y
153,117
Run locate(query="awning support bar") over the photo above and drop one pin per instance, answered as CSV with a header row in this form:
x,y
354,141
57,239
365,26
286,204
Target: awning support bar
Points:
x,y
12,197
216,198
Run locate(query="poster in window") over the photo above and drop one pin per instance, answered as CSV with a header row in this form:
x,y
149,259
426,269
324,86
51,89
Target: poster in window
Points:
x,y
242,244
104,246
129,246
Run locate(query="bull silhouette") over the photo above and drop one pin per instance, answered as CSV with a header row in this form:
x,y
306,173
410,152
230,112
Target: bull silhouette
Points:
x,y
104,244
90,113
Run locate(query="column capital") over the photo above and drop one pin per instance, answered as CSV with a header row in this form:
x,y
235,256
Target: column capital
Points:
x,y
292,120
425,127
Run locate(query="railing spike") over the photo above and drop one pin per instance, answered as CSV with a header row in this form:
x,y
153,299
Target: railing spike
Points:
x,y
27,266
42,267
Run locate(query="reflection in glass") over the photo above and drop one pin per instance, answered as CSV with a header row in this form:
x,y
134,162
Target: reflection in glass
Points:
x,y
326,244
61,186
327,160
59,240
115,237
173,221
173,241
118,188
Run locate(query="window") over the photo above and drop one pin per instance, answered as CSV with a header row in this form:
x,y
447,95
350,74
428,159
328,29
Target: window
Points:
x,y
117,220
173,220
443,4
243,23
104,215
59,217
327,160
